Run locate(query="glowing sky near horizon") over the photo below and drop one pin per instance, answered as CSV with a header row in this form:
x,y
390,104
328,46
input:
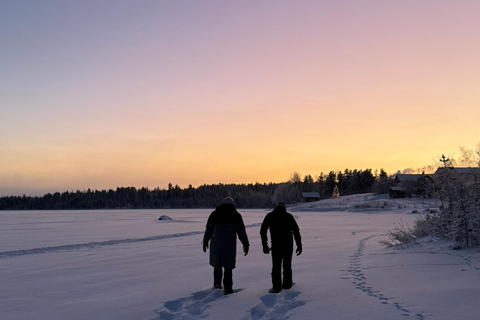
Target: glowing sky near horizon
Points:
x,y
100,94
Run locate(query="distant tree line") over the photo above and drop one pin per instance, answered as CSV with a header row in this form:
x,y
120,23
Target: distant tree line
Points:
x,y
258,195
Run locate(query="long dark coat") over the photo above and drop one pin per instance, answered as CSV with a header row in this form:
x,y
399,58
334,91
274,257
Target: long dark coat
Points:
x,y
283,228
223,226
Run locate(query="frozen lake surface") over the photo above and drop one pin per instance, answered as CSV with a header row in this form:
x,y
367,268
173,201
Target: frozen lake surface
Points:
x,y
126,264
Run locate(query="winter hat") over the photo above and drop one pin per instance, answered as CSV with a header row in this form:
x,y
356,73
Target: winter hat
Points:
x,y
281,204
228,200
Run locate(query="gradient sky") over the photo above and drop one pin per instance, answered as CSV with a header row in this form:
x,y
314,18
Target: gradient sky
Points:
x,y
100,94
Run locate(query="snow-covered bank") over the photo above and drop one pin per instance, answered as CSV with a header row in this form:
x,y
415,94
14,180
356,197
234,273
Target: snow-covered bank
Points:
x,y
128,265
361,202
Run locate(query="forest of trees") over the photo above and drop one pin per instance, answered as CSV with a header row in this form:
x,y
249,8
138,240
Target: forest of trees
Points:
x,y
256,195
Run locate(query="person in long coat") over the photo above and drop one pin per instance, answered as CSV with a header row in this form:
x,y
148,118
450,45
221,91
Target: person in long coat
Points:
x,y
283,229
223,226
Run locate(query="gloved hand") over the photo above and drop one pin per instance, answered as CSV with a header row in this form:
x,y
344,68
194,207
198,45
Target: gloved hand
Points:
x,y
245,250
205,246
266,249
299,250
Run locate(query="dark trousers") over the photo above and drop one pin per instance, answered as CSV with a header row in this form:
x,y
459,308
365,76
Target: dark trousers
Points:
x,y
227,278
282,257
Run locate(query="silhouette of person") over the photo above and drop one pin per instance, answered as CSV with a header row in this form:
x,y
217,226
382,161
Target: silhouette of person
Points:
x,y
283,228
223,226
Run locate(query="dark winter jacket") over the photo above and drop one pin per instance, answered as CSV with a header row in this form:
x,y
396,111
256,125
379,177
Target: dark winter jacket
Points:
x,y
283,228
223,225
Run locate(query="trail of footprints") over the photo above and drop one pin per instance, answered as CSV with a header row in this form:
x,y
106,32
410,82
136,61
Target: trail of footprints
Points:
x,y
359,280
271,306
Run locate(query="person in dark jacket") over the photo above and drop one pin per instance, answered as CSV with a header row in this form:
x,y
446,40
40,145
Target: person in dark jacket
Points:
x,y
223,226
283,228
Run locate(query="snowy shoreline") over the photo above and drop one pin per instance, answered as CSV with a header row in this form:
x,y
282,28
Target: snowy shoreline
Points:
x,y
129,265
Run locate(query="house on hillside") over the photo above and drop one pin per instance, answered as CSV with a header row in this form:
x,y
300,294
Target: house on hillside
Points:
x,y
469,176
404,179
465,171
310,196
422,184
407,185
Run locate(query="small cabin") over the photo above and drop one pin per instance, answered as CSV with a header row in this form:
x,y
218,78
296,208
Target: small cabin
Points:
x,y
396,192
310,196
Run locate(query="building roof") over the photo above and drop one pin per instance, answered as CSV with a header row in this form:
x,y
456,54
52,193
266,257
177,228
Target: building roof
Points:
x,y
464,170
408,177
310,195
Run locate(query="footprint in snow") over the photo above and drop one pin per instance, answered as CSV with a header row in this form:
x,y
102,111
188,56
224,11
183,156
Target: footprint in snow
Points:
x,y
275,306
191,307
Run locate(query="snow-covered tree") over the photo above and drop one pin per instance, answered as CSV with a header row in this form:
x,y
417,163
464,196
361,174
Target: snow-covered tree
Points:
x,y
458,192
335,193
470,157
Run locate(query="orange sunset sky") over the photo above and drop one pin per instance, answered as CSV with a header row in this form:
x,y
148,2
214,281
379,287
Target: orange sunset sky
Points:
x,y
101,94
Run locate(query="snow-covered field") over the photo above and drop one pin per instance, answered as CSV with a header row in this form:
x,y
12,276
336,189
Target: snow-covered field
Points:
x,y
125,264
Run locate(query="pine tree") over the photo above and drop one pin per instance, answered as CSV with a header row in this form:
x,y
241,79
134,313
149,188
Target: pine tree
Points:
x,y
330,183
